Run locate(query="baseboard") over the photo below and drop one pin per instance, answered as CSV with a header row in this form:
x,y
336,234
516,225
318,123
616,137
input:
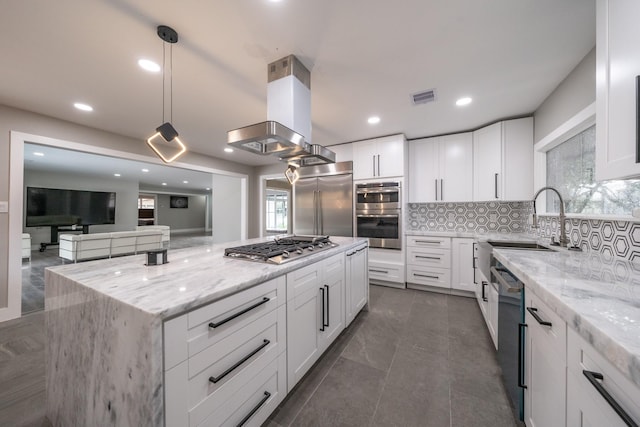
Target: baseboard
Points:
x,y
387,284
446,291
188,230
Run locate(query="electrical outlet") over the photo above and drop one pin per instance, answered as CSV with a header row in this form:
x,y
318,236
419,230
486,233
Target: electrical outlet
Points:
x,y
4,207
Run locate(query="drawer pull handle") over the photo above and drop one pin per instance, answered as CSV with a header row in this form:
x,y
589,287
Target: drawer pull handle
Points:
x,y
378,271
214,325
427,276
246,418
593,378
434,242
237,364
427,257
534,313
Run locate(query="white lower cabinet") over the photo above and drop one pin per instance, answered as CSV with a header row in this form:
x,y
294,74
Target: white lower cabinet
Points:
x,y
356,283
492,312
545,365
315,314
215,355
482,296
462,253
589,379
429,262
386,267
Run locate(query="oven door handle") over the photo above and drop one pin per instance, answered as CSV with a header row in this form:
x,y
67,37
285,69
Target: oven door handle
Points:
x,y
377,190
377,216
509,286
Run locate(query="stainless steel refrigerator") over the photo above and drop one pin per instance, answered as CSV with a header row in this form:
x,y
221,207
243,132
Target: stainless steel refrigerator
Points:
x,y
323,200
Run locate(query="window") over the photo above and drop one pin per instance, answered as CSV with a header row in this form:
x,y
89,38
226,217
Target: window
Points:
x,y
146,202
277,219
571,170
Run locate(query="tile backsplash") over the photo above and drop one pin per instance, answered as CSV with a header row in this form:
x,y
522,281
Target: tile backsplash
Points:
x,y
480,217
614,240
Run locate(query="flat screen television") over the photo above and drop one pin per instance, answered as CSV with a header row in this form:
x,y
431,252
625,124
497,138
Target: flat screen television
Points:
x,y
58,207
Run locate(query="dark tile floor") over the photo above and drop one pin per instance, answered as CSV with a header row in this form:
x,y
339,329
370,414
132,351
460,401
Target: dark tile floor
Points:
x,y
414,359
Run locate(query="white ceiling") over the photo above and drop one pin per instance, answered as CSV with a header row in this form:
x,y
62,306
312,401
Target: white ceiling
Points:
x,y
365,56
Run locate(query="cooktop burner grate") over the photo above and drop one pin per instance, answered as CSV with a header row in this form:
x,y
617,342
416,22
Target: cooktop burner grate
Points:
x,y
280,249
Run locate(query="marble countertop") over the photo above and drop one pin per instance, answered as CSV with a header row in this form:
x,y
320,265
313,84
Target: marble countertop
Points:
x,y
192,277
597,296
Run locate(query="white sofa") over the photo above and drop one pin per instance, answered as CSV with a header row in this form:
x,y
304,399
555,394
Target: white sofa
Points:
x,y
79,247
26,246
166,231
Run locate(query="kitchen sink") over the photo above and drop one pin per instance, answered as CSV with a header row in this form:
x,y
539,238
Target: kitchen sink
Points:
x,y
531,246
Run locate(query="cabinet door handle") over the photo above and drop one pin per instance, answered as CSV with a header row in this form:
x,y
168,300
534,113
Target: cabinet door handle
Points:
x,y
441,192
246,418
214,325
484,283
521,327
240,362
327,296
593,378
436,189
373,158
534,313
379,165
379,271
426,275
495,178
323,307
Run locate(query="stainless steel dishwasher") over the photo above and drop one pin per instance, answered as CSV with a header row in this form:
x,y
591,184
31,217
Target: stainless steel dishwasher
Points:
x,y
511,334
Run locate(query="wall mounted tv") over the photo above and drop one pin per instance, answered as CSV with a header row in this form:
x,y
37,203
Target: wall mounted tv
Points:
x,y
57,207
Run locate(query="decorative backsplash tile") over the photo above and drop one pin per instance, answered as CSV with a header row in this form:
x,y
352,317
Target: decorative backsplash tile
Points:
x,y
613,240
480,217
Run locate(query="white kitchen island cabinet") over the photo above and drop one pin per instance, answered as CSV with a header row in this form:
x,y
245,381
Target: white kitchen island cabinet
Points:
x,y
380,158
441,169
356,283
617,68
200,341
503,161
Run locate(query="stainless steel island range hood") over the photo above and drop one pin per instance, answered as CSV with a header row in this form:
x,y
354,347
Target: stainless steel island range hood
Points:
x,y
287,132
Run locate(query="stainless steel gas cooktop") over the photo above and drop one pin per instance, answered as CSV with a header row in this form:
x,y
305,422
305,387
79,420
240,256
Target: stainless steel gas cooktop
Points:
x,y
281,249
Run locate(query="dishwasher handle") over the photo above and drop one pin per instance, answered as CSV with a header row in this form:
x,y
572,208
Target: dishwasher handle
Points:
x,y
510,287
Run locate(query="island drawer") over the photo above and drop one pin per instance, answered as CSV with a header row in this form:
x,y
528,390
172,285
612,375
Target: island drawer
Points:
x,y
193,332
202,384
440,258
252,405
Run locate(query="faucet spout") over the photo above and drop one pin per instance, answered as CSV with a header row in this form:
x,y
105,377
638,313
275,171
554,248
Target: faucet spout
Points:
x,y
563,230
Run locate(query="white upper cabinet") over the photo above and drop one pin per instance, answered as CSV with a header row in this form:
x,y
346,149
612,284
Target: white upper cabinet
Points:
x,y
441,169
344,152
379,158
503,161
617,65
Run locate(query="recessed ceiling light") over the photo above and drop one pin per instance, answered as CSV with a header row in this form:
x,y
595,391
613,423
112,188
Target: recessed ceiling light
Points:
x,y
116,174
185,182
228,150
463,101
83,107
145,170
148,65
373,120
164,183
38,153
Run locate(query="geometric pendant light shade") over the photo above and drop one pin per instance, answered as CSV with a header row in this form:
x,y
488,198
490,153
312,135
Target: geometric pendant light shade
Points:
x,y
165,141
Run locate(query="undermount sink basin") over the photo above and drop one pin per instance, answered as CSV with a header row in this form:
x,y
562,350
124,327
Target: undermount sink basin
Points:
x,y
531,246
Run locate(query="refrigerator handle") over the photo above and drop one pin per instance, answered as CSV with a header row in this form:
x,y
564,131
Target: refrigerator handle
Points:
x,y
315,212
320,216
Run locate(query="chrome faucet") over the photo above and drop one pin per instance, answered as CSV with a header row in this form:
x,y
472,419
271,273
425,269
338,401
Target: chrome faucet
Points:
x,y
563,240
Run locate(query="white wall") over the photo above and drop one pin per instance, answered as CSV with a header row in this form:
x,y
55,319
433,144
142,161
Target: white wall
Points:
x,y
188,219
576,92
126,200
226,222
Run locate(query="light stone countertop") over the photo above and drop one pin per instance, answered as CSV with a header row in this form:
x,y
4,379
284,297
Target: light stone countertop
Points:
x,y
193,277
597,296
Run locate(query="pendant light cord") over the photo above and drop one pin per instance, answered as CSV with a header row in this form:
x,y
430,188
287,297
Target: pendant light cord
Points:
x,y
164,66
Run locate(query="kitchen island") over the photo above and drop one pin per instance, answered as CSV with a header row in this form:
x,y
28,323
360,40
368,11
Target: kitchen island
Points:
x,y
107,337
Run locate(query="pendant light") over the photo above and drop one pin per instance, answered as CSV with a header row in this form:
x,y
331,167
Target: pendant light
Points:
x,y
166,136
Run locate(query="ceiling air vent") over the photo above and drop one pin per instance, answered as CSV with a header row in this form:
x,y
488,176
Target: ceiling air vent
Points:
x,y
424,96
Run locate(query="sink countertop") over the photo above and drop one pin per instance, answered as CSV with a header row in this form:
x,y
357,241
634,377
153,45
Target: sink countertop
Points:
x,y
192,277
597,296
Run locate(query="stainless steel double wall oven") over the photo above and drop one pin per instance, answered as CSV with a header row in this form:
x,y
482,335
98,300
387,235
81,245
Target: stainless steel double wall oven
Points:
x,y
379,214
